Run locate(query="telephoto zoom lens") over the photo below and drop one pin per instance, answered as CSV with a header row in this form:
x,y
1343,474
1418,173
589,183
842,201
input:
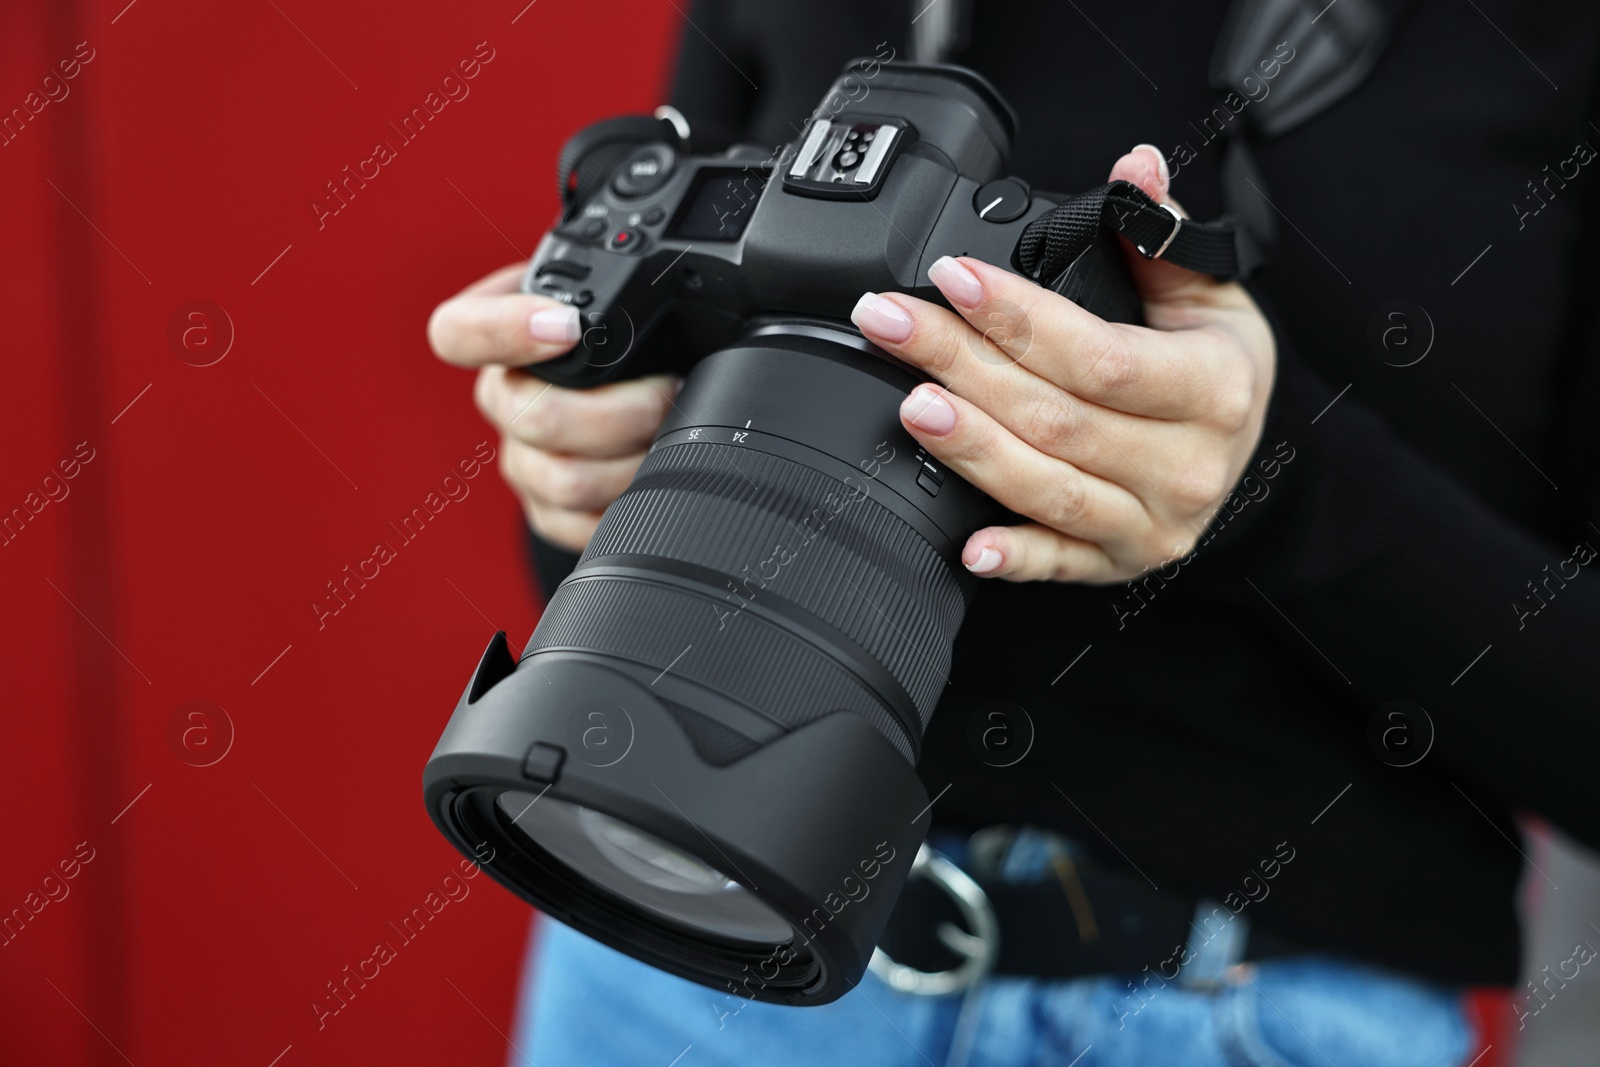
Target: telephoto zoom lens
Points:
x,y
705,757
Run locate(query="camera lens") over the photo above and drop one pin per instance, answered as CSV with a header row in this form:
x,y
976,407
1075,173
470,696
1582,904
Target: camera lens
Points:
x,y
639,867
767,613
705,756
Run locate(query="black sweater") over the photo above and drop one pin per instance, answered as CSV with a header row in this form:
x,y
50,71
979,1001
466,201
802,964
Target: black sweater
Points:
x,y
1426,538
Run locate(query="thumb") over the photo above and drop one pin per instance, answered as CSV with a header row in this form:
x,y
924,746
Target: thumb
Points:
x,y
1160,283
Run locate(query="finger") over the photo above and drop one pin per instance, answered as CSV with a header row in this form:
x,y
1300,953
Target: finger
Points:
x,y
565,482
1048,490
507,279
1171,294
1130,450
1034,553
1157,280
476,328
1128,368
570,530
610,420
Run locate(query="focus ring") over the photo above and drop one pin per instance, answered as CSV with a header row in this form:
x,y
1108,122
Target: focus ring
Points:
x,y
777,528
860,568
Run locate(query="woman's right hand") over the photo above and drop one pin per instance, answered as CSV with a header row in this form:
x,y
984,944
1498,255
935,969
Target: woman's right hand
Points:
x,y
566,453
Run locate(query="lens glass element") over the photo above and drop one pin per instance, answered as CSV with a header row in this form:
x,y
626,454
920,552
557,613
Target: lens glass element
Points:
x,y
644,870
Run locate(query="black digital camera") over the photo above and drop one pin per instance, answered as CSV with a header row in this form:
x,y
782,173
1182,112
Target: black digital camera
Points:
x,y
705,757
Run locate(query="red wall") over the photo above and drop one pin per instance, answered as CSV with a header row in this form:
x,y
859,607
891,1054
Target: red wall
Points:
x,y
180,561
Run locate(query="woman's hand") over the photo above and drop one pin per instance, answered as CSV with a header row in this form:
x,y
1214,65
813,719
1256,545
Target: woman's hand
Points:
x,y
566,453
1120,442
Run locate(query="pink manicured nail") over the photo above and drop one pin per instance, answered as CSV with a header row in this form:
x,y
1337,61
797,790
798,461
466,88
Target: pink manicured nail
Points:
x,y
1161,163
555,325
956,282
926,408
988,560
882,319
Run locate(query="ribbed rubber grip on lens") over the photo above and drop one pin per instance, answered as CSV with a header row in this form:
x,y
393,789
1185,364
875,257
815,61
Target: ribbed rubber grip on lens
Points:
x,y
789,544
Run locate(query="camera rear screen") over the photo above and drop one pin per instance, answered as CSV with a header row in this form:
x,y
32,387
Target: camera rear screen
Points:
x,y
719,205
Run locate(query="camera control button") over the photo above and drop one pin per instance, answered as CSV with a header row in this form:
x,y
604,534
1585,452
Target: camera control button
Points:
x,y
582,298
654,216
1005,200
928,483
543,762
644,172
593,228
625,241
566,268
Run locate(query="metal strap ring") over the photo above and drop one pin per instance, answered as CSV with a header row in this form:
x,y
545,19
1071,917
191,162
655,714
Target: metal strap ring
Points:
x,y
1177,224
981,947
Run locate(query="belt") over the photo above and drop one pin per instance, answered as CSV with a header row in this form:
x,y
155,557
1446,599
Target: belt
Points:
x,y
948,928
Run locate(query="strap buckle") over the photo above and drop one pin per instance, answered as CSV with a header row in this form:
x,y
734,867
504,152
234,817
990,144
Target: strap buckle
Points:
x,y
1177,224
980,948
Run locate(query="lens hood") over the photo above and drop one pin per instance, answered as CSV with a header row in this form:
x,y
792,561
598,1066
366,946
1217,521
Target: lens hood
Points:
x,y
821,823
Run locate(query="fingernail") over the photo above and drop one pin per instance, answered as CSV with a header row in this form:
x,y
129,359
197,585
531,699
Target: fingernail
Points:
x,y
554,325
956,282
881,318
926,408
988,560
1161,164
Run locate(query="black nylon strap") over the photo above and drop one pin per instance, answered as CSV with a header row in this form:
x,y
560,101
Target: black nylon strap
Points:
x,y
1135,927
1051,242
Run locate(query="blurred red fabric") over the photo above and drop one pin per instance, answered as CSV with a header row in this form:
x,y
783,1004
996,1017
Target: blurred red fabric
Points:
x,y
241,770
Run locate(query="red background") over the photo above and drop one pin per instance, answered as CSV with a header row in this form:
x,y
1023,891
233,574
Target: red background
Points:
x,y
183,563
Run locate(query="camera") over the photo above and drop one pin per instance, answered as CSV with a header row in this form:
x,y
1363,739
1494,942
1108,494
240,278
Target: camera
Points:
x,y
706,755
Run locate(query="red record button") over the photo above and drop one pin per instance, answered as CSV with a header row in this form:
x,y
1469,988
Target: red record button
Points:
x,y
624,241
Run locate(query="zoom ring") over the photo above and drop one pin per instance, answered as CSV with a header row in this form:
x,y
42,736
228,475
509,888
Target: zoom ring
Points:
x,y
781,535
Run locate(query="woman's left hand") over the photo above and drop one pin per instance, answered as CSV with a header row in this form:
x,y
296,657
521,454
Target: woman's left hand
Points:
x,y
1120,442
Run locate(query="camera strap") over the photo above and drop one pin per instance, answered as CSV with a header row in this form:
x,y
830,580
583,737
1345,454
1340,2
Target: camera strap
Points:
x,y
1328,61
1052,242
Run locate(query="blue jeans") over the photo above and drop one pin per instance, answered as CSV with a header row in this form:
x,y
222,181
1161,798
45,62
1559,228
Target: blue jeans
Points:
x,y
584,1004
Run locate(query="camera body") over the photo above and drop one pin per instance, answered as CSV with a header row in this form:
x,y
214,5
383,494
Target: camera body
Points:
x,y
676,255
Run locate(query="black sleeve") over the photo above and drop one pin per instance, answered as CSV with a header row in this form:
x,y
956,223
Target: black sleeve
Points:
x,y
1382,573
706,84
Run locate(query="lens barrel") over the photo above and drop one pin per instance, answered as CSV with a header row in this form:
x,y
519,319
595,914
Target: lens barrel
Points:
x,y
739,673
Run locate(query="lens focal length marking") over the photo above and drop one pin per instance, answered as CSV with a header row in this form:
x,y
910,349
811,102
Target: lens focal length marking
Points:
x,y
903,506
